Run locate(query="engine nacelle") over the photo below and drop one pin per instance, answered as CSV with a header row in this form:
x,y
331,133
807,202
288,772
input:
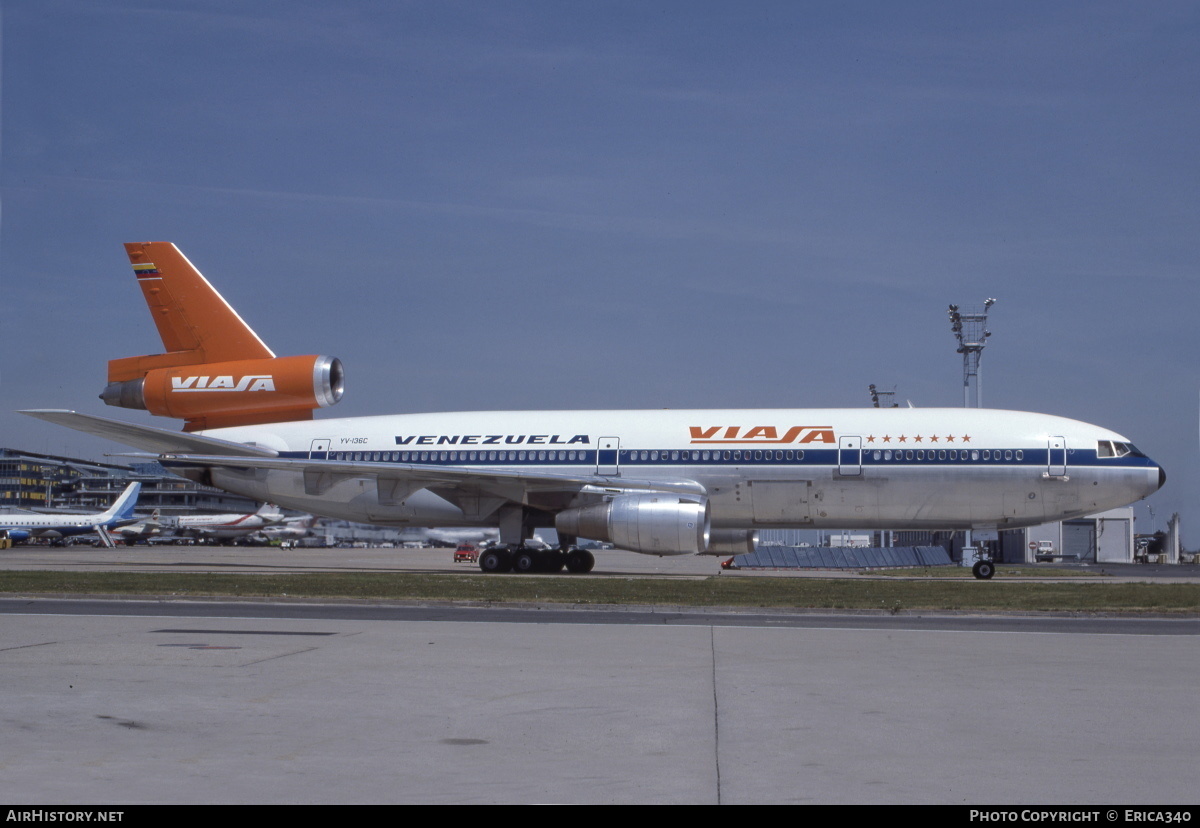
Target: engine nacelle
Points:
x,y
653,524
241,392
731,542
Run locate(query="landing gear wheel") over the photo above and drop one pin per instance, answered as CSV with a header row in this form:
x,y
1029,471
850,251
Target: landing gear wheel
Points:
x,y
580,561
524,562
983,570
495,560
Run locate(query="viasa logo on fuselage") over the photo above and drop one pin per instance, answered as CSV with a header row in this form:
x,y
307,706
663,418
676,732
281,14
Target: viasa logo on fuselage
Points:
x,y
762,434
250,382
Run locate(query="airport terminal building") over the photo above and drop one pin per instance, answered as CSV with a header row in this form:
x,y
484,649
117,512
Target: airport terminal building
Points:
x,y
46,482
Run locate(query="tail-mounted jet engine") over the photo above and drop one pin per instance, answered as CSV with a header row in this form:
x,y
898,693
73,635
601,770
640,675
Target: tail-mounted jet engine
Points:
x,y
214,371
240,392
653,524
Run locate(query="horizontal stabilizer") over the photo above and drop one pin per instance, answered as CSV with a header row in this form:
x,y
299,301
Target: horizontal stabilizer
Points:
x,y
147,438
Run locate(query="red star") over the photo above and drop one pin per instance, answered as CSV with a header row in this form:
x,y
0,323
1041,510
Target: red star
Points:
x,y
870,439
966,438
949,438
887,439
903,439
918,438
933,439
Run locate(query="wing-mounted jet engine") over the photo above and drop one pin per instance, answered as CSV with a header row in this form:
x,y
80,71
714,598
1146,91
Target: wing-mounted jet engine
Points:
x,y
653,524
216,372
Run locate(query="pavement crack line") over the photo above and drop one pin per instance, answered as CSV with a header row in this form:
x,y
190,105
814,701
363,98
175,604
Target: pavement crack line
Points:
x,y
712,642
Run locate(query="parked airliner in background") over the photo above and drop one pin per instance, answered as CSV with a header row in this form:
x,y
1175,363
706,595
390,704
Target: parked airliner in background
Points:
x,y
54,527
230,526
140,531
656,482
294,528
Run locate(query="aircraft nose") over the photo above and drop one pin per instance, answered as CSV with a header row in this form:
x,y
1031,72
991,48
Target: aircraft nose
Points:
x,y
1162,476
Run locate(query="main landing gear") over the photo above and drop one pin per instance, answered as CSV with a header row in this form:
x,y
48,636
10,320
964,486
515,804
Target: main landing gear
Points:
x,y
505,559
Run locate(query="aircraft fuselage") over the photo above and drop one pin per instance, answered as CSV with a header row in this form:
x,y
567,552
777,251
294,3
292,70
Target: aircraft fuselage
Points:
x,y
759,469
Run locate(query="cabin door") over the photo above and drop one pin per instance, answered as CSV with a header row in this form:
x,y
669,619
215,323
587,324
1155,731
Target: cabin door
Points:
x,y
1056,465
606,456
850,456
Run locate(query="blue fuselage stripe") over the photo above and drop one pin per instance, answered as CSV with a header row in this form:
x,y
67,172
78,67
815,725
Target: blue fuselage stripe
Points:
x,y
869,457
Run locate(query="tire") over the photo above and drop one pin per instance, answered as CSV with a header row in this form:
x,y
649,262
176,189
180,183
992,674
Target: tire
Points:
x,y
524,562
580,561
983,570
494,560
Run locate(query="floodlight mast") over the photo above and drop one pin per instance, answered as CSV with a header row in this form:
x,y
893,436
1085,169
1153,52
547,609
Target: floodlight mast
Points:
x,y
970,329
882,399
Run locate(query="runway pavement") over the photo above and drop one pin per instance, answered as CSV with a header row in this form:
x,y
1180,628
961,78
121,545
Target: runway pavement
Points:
x,y
123,702
185,702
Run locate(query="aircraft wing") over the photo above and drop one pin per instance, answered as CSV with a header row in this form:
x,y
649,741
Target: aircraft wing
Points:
x,y
398,480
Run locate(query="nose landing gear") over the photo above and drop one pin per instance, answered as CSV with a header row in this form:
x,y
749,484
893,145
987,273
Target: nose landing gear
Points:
x,y
983,570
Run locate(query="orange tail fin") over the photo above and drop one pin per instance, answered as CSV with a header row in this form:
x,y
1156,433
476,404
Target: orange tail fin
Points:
x,y
238,381
195,322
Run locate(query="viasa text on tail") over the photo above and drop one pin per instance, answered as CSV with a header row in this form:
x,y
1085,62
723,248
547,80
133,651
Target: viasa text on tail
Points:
x,y
657,482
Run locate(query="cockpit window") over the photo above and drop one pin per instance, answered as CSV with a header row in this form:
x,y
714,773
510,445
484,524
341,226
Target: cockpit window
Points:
x,y
1113,448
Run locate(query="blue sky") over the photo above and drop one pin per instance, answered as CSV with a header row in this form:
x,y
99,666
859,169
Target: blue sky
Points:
x,y
619,204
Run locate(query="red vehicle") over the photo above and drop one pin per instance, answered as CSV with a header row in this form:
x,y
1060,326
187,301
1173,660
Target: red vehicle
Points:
x,y
466,553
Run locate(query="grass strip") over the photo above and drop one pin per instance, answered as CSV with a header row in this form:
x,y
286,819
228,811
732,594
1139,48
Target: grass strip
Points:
x,y
840,593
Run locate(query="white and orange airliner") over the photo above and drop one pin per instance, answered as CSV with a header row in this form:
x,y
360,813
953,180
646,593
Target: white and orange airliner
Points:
x,y
658,482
